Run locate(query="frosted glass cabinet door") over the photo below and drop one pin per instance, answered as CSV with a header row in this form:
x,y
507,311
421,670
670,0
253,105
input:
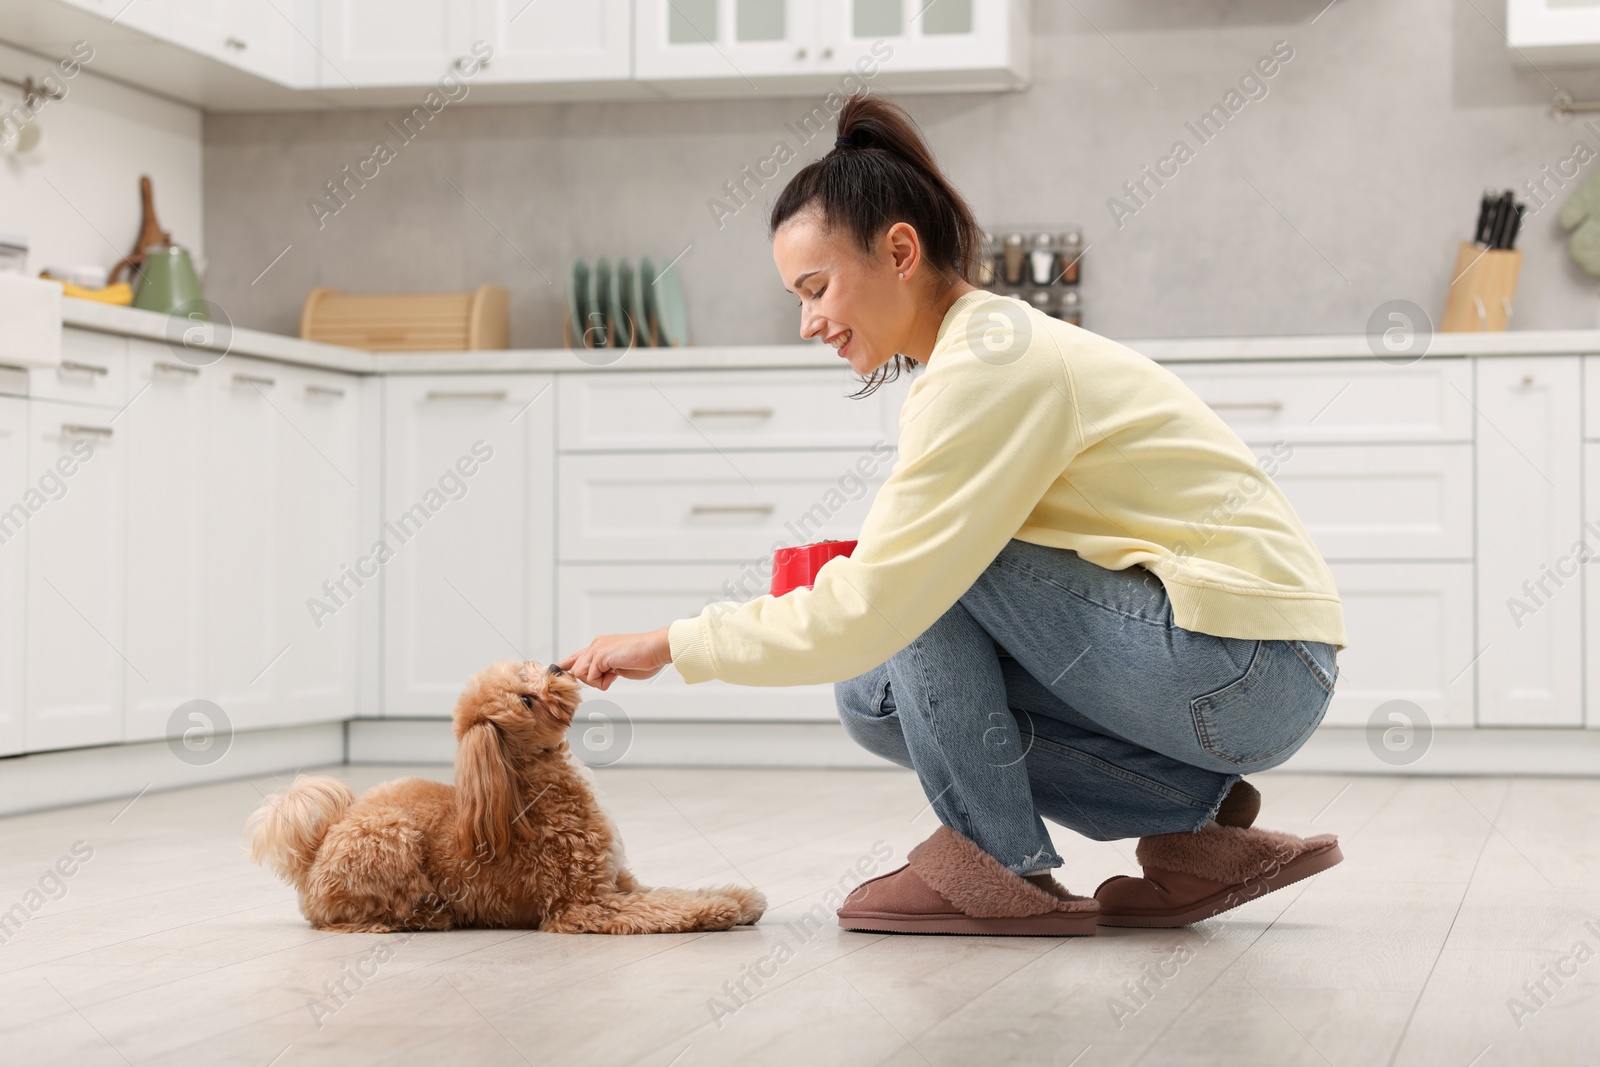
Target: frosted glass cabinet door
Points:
x,y
391,42
726,39
468,521
13,569
914,35
1530,608
552,42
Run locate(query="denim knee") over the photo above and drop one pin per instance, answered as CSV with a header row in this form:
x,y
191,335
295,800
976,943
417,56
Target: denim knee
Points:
x,y
867,714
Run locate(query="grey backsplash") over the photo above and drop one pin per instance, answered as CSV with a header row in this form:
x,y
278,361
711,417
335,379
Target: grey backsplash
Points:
x,y
1348,184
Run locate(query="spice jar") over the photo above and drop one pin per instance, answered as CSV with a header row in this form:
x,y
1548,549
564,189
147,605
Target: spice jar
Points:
x,y
1070,308
1042,259
1014,254
1069,255
986,261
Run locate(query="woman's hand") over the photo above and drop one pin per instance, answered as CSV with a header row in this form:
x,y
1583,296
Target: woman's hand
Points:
x,y
613,656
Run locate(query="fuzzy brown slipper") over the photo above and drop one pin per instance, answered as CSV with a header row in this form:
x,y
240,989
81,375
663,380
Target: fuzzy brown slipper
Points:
x,y
1193,876
951,886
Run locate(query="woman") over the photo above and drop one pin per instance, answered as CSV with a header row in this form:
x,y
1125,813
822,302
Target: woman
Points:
x,y
1075,597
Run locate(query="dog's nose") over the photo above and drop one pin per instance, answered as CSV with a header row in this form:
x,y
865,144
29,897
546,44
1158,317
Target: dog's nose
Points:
x,y
553,669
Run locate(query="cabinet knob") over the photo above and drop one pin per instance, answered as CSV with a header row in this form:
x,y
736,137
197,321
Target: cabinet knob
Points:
x,y
827,53
463,62
235,44
799,53
1527,379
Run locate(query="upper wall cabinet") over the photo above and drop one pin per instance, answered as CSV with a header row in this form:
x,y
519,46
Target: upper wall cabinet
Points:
x,y
548,41
392,42
703,47
1553,32
274,55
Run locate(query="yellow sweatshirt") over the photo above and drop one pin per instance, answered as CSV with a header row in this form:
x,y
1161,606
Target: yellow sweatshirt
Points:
x,y
1024,426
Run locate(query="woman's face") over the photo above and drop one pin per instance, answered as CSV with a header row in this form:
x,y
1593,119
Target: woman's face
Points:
x,y
856,303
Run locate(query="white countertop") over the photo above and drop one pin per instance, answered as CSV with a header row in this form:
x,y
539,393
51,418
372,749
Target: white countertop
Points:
x,y
107,318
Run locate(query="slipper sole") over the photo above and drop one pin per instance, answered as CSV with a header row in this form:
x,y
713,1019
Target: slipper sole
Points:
x,y
1050,924
1302,866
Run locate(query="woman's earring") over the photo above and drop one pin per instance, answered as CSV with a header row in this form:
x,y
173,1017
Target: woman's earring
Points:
x,y
902,274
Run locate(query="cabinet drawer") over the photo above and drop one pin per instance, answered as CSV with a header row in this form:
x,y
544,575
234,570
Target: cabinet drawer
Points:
x,y
94,370
1591,397
633,598
1337,400
1378,501
1410,630
724,409
711,506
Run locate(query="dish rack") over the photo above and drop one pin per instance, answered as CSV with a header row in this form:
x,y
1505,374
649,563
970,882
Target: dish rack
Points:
x,y
1038,265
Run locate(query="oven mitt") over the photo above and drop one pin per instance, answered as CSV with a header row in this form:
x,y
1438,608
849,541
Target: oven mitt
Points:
x,y
1582,210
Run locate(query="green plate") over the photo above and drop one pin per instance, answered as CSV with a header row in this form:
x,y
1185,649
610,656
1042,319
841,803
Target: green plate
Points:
x,y
651,315
670,307
600,310
578,300
629,321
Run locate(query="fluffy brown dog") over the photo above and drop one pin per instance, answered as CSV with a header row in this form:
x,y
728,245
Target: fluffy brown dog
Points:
x,y
520,840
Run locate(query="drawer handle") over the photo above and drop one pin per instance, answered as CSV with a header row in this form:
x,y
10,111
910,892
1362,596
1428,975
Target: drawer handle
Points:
x,y
314,389
254,379
732,509
738,413
1266,405
74,367
177,368
73,429
453,394
234,43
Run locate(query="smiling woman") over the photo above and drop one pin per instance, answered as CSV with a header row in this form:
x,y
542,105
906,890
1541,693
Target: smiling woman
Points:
x,y
1022,621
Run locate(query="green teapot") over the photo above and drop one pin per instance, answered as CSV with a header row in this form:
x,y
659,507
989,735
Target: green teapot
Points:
x,y
167,282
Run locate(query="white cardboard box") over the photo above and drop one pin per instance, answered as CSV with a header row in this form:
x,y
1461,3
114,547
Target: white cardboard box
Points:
x,y
30,322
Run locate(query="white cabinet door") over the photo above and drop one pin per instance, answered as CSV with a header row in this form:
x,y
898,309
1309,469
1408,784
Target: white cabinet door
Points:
x,y
272,38
711,506
1529,607
169,445
245,641
914,35
468,531
14,519
151,16
1376,501
551,41
391,42
1410,629
726,39
319,544
76,644
1552,32
1590,538
636,597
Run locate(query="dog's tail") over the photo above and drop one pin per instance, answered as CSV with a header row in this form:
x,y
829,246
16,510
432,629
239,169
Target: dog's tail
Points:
x,y
288,828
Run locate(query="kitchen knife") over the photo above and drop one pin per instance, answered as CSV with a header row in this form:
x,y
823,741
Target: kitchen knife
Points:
x,y
1502,219
1516,224
1485,207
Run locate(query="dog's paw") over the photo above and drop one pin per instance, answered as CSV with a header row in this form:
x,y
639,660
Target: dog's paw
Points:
x,y
752,902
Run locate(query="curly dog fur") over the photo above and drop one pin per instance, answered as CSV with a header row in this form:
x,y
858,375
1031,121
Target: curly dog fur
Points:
x,y
519,841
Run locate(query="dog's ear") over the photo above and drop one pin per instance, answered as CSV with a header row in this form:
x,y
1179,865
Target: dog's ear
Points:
x,y
486,794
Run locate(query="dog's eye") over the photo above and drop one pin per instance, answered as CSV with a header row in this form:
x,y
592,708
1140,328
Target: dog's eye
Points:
x,y
527,701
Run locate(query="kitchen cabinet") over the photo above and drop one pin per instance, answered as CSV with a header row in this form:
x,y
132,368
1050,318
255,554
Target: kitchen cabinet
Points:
x,y
468,530
271,38
555,42
93,370
150,16
1529,605
169,612
76,638
320,544
745,44
14,484
391,42
1410,627
1552,32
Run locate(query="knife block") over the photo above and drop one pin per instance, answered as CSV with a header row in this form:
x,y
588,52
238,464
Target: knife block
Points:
x,y
1483,294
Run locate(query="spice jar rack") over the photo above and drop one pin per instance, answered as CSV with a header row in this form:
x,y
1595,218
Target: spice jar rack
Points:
x,y
1037,265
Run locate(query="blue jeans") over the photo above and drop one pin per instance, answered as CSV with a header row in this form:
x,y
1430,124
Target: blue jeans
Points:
x,y
1055,687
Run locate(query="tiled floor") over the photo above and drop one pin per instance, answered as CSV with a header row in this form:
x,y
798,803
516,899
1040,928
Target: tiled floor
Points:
x,y
166,946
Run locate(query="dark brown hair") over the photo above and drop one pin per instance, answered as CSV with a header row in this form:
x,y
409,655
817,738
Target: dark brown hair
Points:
x,y
883,176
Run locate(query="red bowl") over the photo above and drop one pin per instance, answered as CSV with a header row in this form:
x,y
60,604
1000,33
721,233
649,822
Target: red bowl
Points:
x,y
798,566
